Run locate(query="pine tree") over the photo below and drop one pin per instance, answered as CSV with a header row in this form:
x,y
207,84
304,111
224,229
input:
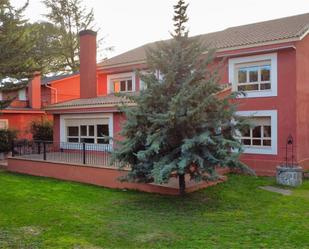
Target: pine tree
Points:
x,y
16,43
70,17
17,60
179,125
47,48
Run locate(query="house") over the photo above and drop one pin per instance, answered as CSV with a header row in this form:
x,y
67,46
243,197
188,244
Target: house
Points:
x,y
268,61
30,100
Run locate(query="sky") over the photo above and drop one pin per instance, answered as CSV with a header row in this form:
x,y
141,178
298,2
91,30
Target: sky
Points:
x,y
127,24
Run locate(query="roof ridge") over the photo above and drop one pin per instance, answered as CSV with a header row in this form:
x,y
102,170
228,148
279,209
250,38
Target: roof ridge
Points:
x,y
265,21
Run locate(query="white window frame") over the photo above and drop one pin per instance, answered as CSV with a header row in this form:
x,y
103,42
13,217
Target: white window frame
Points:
x,y
87,118
159,75
268,150
234,62
6,123
121,76
74,137
22,94
142,85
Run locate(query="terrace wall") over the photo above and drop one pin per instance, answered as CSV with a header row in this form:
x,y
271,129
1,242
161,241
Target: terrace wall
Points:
x,y
100,176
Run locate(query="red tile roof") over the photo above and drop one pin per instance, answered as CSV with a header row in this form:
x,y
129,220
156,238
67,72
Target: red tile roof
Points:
x,y
103,101
274,31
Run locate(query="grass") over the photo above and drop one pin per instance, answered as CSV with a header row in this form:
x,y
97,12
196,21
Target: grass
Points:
x,y
45,213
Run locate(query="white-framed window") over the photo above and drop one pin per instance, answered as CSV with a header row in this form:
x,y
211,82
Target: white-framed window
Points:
x,y
87,131
121,83
22,94
254,75
142,84
4,124
72,134
261,136
86,128
157,73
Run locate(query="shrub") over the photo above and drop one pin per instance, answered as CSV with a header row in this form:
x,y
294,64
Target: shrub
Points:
x,y
42,130
6,138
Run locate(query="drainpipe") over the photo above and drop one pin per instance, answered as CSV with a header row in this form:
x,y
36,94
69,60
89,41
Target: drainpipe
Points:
x,y
56,93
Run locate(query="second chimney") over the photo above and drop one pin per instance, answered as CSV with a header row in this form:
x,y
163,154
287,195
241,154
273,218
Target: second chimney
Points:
x,y
88,64
34,91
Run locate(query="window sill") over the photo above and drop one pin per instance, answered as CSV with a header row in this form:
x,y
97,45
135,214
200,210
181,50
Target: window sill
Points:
x,y
261,150
257,94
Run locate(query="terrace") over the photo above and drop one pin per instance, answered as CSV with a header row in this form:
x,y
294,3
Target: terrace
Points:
x,y
86,163
98,155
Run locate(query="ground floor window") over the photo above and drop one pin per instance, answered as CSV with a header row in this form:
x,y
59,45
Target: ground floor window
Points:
x,y
260,137
87,131
258,134
3,124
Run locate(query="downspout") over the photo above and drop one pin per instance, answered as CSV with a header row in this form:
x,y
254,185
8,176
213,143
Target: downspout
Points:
x,y
56,92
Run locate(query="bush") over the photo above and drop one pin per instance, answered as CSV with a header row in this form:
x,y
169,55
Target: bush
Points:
x,y
6,139
42,130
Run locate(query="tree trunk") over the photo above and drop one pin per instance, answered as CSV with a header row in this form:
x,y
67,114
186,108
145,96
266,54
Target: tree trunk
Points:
x,y
182,184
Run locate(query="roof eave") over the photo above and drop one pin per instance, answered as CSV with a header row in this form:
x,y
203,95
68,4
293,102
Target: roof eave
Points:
x,y
16,111
77,107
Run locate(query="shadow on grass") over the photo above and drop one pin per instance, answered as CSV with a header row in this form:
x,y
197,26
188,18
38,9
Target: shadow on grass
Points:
x,y
238,192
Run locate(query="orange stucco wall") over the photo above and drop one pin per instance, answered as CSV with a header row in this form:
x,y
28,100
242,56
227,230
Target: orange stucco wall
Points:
x,y
118,120
285,104
292,103
16,103
56,128
22,122
20,119
102,84
67,89
302,103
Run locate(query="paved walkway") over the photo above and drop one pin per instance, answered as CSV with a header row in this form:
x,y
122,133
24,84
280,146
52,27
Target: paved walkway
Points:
x,y
276,190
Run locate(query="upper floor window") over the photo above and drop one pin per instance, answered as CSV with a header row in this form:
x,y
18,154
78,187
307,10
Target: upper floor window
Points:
x,y
3,124
157,74
253,78
121,83
22,94
254,75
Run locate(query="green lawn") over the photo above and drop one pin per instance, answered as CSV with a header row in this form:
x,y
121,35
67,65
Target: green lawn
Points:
x,y
44,213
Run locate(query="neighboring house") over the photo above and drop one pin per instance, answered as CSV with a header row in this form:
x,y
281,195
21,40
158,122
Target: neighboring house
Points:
x,y
29,101
267,60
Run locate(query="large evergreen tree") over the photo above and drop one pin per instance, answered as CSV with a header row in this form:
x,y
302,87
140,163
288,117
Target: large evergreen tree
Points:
x,y
47,49
16,44
70,17
179,125
17,61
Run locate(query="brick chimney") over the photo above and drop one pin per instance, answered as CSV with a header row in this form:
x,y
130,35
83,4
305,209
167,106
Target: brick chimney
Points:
x,y
34,91
88,64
